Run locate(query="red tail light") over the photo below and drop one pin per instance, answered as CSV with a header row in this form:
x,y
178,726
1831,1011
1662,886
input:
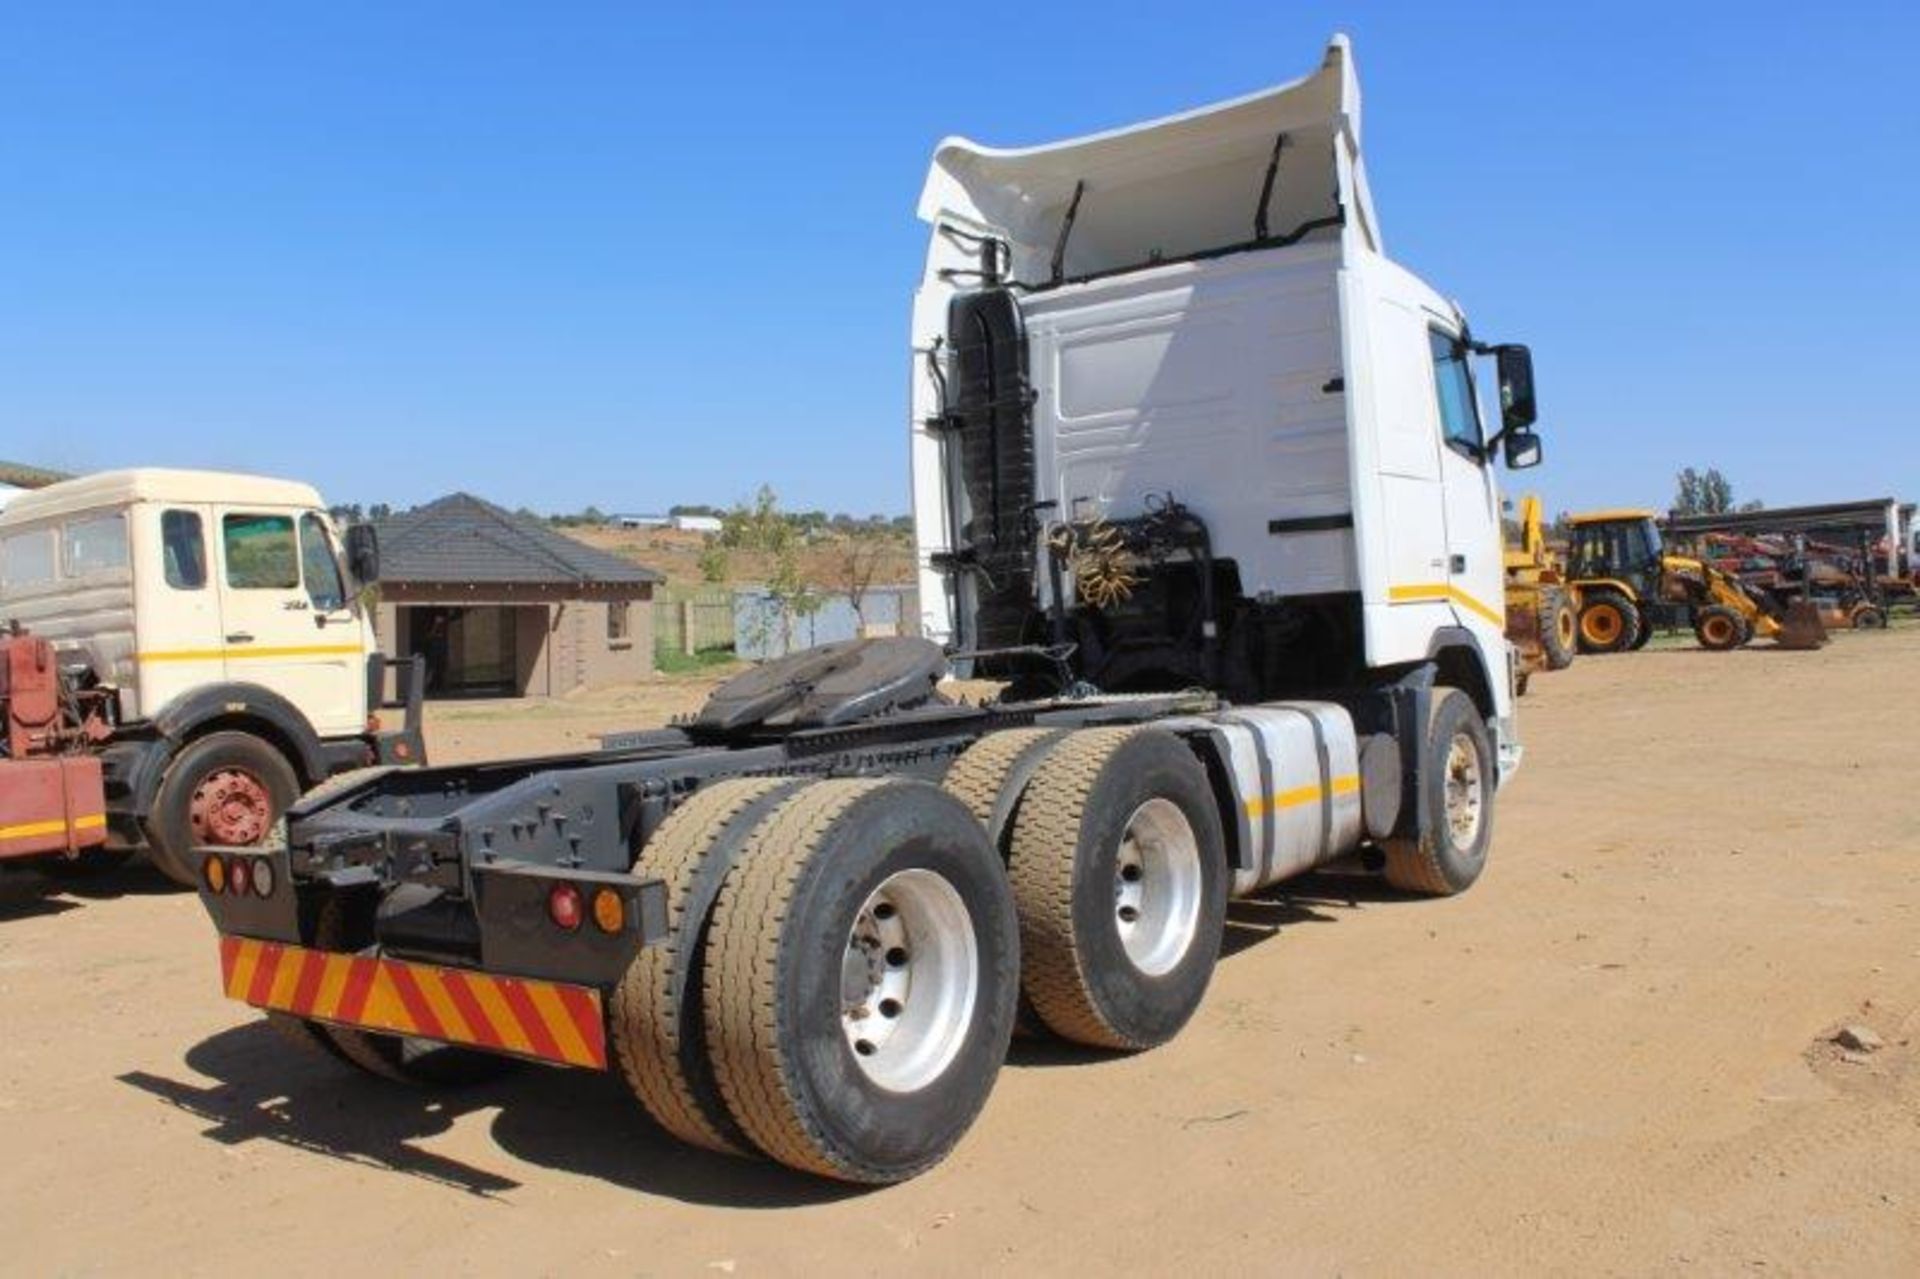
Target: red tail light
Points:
x,y
239,876
565,907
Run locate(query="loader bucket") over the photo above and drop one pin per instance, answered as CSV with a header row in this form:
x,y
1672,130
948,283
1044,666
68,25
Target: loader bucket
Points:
x,y
1802,627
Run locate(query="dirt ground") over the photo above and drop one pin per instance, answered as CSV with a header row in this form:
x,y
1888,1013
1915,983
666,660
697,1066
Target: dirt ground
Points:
x,y
1610,1056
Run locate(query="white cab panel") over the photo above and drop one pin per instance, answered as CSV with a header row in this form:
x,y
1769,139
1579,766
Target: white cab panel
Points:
x,y
1215,382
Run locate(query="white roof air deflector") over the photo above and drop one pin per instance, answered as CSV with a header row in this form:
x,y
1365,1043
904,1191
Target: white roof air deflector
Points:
x,y
1188,185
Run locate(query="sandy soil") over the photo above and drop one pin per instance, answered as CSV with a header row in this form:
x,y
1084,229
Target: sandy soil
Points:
x,y
1610,1056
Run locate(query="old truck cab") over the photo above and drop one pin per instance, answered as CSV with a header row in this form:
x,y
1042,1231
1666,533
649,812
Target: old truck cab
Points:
x,y
223,613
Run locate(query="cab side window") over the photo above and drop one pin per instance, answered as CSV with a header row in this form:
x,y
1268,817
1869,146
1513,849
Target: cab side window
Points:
x,y
26,559
95,544
184,548
1453,383
318,567
260,552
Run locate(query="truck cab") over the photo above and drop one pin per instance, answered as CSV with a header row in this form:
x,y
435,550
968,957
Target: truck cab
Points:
x,y
1179,421
208,604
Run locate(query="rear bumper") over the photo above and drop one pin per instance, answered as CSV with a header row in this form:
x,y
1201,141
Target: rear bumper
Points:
x,y
548,1021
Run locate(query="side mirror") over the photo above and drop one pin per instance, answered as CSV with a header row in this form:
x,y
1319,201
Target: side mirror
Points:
x,y
363,553
1515,365
1522,449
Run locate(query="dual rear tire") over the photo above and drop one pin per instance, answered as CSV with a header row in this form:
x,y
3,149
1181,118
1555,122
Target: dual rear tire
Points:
x,y
846,956
838,989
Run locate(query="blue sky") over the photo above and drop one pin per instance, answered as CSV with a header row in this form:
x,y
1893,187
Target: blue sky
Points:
x,y
631,255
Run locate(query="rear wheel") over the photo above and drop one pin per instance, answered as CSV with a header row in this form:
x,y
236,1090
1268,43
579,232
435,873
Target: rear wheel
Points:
x,y
223,789
1869,617
659,1028
1719,628
1119,868
990,778
1457,780
1559,629
1609,622
860,978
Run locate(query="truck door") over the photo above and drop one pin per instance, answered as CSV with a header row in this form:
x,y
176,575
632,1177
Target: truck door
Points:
x,y
1476,568
176,617
285,619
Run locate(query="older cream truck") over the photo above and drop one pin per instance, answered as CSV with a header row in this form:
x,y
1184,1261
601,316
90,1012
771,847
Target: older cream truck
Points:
x,y
224,615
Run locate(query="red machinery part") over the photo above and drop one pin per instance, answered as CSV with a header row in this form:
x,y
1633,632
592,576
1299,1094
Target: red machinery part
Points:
x,y
29,693
51,804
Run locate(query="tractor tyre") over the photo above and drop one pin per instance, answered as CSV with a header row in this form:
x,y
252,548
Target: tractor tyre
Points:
x,y
1119,867
1869,617
1559,629
860,974
657,1011
226,788
991,778
1719,628
1609,622
1458,776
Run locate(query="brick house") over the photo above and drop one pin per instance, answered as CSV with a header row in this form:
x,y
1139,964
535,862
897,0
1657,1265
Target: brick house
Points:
x,y
501,605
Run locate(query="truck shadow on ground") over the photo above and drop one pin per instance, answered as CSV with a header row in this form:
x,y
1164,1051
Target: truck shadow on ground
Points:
x,y
269,1089
32,892
1316,898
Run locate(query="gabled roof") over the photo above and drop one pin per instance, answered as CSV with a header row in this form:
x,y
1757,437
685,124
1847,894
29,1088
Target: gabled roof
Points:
x,y
461,538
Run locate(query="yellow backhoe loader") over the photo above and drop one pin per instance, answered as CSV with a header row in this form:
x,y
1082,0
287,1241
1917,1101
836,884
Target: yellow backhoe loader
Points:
x,y
1542,615
1625,584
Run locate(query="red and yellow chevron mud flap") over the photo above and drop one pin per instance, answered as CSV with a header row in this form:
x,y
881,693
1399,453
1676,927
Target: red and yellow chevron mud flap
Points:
x,y
546,1020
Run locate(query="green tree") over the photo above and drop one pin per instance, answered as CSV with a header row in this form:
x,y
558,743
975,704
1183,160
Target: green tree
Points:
x,y
1705,492
762,528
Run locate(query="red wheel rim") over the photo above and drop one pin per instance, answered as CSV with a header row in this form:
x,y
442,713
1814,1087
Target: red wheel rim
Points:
x,y
230,806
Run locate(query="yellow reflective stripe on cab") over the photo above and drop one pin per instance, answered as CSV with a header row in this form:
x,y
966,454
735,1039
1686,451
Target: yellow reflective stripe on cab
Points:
x,y
1428,592
1260,805
59,825
246,650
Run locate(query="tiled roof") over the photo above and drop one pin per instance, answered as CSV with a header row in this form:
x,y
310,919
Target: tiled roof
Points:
x,y
461,538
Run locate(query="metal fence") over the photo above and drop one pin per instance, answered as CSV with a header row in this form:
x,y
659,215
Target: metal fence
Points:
x,y
762,629
696,623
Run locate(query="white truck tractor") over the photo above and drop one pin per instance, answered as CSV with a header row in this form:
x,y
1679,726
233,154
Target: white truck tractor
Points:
x,y
1204,478
216,623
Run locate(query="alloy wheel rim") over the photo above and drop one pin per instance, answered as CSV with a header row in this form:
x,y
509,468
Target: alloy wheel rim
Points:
x,y
909,980
1156,887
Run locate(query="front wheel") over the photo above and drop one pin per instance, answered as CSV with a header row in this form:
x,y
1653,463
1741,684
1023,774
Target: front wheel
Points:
x,y
1719,628
1457,780
1559,629
1609,622
224,789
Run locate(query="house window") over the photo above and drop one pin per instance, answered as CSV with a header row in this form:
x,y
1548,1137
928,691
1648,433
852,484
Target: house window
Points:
x,y
184,550
261,555
618,623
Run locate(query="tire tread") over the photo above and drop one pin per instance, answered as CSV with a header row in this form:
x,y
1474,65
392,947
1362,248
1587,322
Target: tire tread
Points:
x,y
1053,971
647,1034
